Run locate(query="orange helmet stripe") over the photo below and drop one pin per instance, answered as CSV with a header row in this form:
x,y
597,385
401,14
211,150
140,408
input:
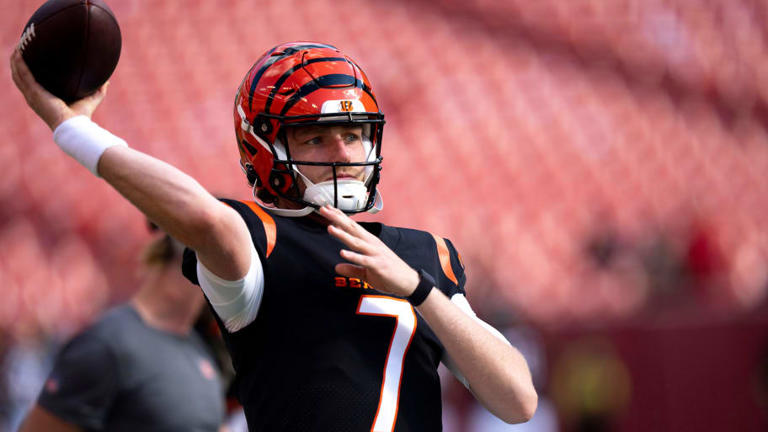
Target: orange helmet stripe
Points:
x,y
324,82
279,83
271,60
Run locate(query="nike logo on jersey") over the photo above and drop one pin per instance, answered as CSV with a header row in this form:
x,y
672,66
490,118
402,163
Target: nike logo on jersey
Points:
x,y
347,282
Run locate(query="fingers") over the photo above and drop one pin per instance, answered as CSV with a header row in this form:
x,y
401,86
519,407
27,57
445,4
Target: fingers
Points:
x,y
87,105
348,232
48,107
15,62
22,76
100,93
334,215
350,270
341,220
357,258
354,243
367,257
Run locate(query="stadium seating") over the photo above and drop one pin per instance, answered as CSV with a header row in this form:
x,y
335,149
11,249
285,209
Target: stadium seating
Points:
x,y
520,130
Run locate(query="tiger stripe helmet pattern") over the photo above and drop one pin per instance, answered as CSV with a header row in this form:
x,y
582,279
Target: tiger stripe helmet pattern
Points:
x,y
302,83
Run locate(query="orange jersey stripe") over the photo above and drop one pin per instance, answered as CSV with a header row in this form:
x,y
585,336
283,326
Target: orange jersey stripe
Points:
x,y
269,224
445,258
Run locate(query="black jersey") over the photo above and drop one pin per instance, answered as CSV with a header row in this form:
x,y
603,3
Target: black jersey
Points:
x,y
330,353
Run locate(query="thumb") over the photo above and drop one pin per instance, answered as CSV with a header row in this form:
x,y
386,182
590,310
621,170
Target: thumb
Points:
x,y
87,105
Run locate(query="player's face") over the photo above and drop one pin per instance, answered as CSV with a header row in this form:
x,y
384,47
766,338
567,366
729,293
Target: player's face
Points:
x,y
338,143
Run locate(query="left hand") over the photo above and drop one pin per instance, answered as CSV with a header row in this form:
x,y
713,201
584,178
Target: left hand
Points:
x,y
369,258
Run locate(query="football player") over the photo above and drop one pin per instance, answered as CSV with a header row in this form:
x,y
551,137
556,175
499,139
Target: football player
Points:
x,y
331,324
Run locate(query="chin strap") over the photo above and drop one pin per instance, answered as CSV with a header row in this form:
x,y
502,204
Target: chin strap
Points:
x,y
280,211
378,203
288,212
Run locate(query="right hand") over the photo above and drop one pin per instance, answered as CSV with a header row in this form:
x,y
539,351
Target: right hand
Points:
x,y
50,108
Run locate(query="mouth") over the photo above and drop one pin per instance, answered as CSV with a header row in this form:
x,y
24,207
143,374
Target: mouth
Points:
x,y
342,176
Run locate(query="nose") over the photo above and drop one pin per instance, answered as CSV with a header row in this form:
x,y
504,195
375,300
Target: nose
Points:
x,y
341,150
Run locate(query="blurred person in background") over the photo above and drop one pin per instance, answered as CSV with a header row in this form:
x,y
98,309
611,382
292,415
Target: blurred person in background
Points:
x,y
591,384
26,357
141,366
318,311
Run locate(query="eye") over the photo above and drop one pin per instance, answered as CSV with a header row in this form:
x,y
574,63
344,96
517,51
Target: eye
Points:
x,y
314,141
351,137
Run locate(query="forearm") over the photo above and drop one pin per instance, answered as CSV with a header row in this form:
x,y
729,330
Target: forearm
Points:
x,y
497,373
167,196
179,205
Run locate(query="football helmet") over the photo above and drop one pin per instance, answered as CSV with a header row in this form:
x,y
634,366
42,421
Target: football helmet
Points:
x,y
306,83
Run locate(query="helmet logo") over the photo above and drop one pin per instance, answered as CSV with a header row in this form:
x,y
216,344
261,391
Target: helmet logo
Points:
x,y
342,106
345,106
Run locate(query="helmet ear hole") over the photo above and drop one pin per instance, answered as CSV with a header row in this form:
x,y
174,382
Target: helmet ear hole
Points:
x,y
278,181
262,126
250,173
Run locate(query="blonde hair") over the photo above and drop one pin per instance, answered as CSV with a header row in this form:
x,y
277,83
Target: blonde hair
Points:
x,y
161,252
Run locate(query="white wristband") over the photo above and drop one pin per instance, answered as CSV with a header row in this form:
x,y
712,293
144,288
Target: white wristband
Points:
x,y
85,141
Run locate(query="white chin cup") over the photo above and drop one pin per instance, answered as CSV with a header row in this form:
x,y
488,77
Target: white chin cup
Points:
x,y
352,194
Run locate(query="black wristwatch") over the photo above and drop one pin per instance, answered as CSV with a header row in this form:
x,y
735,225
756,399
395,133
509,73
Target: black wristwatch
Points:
x,y
426,283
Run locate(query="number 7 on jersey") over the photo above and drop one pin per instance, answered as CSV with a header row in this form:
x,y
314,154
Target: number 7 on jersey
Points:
x,y
393,367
